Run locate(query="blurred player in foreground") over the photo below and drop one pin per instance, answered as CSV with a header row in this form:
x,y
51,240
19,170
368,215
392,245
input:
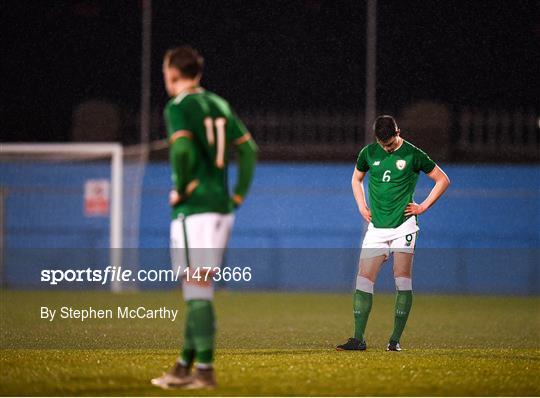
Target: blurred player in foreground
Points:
x,y
201,127
394,165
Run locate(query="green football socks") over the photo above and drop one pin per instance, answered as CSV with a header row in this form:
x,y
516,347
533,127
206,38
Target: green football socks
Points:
x,y
200,333
362,308
402,309
188,352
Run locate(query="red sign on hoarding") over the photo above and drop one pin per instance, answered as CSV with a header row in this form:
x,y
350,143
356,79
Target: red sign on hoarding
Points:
x,y
96,198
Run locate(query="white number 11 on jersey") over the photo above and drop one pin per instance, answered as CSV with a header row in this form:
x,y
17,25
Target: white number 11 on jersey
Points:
x,y
219,125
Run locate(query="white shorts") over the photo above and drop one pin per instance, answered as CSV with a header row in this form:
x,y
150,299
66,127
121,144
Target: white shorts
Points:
x,y
204,241
383,241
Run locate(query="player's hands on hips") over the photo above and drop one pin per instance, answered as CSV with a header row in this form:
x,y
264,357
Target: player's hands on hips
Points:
x,y
366,214
414,209
236,201
174,198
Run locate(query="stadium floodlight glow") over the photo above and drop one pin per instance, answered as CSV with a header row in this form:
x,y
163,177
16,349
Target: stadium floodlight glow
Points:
x,y
76,151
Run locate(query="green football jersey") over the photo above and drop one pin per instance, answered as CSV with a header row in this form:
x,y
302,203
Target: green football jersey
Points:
x,y
209,122
392,180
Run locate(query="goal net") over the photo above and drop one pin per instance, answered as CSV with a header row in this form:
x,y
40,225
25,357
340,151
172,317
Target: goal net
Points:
x,y
62,199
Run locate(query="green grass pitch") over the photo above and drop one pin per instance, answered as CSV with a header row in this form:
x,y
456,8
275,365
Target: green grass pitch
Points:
x,y
275,344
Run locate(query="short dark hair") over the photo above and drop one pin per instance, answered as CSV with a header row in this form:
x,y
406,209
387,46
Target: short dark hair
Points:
x,y
385,127
186,59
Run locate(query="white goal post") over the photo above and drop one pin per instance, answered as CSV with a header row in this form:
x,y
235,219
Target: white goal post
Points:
x,y
78,151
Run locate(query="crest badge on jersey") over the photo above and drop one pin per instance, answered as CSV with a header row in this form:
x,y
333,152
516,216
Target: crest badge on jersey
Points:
x,y
400,164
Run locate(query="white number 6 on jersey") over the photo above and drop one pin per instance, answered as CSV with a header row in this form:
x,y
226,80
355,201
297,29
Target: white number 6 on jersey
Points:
x,y
386,176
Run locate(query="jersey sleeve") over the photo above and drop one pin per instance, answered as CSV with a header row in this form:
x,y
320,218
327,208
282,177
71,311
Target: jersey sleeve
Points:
x,y
362,163
180,145
182,156
423,162
247,157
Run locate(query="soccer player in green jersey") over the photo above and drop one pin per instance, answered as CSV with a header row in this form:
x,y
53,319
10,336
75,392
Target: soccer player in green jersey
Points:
x,y
201,127
393,165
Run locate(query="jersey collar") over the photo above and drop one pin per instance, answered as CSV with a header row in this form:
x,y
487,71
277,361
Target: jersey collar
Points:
x,y
186,92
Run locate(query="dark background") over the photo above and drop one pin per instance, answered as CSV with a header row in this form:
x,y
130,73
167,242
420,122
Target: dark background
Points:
x,y
261,55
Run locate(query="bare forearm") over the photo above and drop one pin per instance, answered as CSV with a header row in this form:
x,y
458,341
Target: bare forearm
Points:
x,y
441,184
437,191
359,194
